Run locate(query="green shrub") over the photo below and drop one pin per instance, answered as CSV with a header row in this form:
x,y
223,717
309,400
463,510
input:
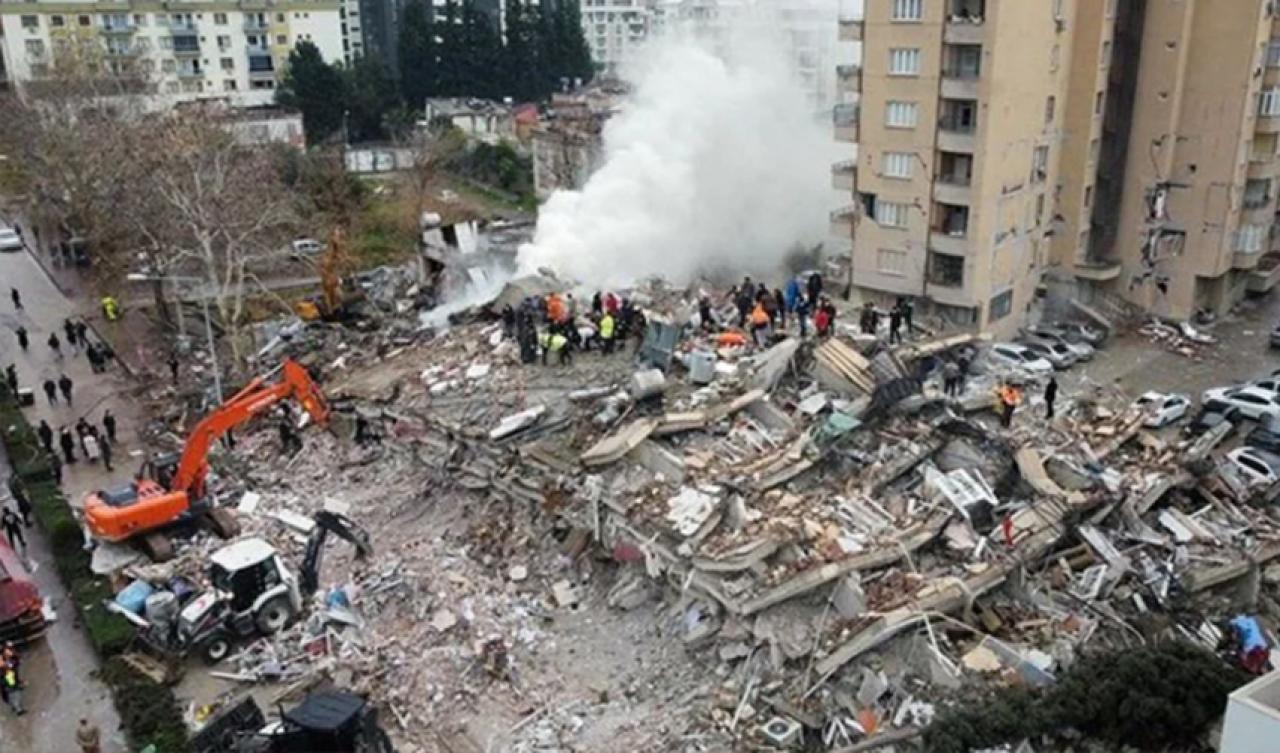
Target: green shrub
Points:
x,y
1150,698
146,709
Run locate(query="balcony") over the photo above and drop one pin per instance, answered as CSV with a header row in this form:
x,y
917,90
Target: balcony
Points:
x,y
255,25
1267,124
955,244
960,84
953,189
964,140
846,123
1097,270
117,28
842,221
1271,76
850,30
950,295
959,30
849,78
1245,260
261,65
1266,275
183,30
1263,166
844,175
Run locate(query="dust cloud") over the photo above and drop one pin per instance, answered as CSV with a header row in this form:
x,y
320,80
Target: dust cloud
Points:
x,y
715,164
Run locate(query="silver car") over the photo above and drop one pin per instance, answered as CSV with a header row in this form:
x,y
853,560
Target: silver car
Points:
x,y
10,240
1058,354
1082,349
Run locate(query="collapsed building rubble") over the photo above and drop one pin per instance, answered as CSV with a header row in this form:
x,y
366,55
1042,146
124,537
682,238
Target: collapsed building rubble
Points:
x,y
813,544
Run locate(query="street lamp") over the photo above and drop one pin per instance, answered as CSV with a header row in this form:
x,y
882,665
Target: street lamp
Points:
x,y
204,305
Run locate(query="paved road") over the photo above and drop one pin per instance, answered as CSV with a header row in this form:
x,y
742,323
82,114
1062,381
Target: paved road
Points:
x,y
59,672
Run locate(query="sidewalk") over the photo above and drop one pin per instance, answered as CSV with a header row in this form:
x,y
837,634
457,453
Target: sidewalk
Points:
x,y
60,670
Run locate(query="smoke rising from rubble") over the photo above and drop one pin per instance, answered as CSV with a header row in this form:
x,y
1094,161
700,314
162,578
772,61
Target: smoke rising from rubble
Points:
x,y
714,164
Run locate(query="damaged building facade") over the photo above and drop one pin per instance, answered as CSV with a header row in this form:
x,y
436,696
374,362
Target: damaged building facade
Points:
x,y
1128,155
952,191
1172,144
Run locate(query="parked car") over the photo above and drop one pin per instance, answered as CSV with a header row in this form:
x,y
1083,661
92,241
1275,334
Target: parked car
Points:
x,y
1084,332
1265,436
1253,402
1270,384
1258,467
1082,349
305,247
10,240
1056,353
1163,409
1015,356
1275,336
1211,414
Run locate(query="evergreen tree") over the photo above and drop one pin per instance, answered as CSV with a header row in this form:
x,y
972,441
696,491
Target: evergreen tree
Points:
x,y
371,95
418,64
522,52
452,70
314,88
483,70
574,54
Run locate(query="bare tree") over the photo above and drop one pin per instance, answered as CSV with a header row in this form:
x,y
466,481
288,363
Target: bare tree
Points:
x,y
224,209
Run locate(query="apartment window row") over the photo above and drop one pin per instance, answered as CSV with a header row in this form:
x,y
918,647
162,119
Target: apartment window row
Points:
x,y
1249,238
1269,102
904,61
908,10
901,114
898,164
891,214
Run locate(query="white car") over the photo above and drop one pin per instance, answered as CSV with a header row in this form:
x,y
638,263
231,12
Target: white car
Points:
x,y
1270,384
305,247
10,240
1258,467
1163,409
1015,356
1253,402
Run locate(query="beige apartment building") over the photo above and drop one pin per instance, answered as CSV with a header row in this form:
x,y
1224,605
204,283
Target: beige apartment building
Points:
x,y
1121,152
959,129
1171,161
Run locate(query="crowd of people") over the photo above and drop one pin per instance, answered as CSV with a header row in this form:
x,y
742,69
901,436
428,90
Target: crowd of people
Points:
x,y
553,325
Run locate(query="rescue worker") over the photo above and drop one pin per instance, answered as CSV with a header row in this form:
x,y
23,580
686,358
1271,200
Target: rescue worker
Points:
x,y
110,308
11,377
21,332
12,525
173,367
1050,395
17,298
554,342
895,325
705,316
821,322
802,314
55,345
759,323
290,442
555,310
69,330
65,384
607,332
105,449
1009,397
814,285
780,307
109,425
951,379
46,435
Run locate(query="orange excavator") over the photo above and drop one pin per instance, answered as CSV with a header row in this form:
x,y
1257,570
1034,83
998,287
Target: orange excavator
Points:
x,y
336,288
170,489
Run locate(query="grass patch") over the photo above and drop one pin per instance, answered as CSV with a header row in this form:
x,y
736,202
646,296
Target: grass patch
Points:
x,y
148,711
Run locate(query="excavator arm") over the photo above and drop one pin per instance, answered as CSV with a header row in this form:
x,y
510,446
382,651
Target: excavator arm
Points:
x,y
326,523
256,398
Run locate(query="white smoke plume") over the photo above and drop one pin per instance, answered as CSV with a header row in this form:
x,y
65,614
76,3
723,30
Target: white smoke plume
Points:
x,y
716,164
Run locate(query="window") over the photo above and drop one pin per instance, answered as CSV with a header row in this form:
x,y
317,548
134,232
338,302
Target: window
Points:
x,y
57,22
280,18
890,214
1040,164
908,10
228,84
228,64
890,261
35,48
1269,102
1094,147
1039,208
282,39
168,66
264,83
84,20
142,44
1050,105
30,23
946,270
1249,238
166,43
139,19
1105,57
898,164
1098,100
904,61
1257,193
220,19
901,114
1088,196
1000,306
224,42
1273,54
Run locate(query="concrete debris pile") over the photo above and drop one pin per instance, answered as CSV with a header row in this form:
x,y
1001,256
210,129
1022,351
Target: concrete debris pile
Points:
x,y
805,543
